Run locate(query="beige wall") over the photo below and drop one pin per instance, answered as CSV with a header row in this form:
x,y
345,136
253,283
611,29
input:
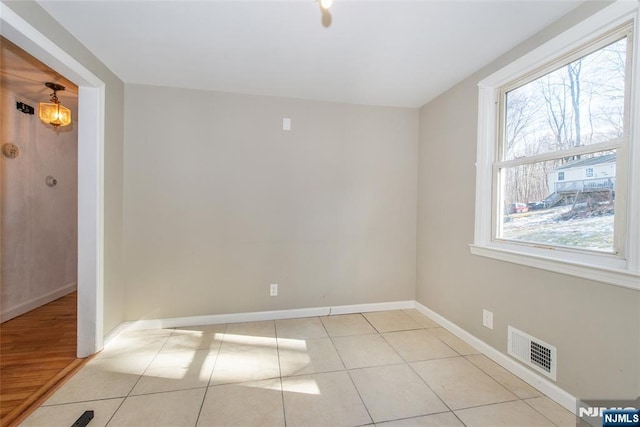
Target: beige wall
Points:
x,y
220,202
38,223
31,12
595,326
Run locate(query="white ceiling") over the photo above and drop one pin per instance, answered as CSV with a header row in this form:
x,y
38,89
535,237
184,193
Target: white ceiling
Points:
x,y
395,53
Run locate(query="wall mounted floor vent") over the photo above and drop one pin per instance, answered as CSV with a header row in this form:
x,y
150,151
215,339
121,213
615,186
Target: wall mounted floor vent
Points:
x,y
533,352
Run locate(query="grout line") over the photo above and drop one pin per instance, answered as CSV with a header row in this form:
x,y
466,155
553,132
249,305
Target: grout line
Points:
x,y
421,328
459,419
476,406
491,377
429,386
215,363
507,372
148,365
452,349
206,390
391,345
151,393
360,396
335,348
116,411
536,409
138,380
83,401
370,324
415,417
487,404
284,410
347,371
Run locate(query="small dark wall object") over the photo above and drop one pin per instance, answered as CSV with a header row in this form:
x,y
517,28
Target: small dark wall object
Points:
x,y
27,109
84,419
51,181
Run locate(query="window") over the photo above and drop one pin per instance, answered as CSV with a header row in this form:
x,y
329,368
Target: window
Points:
x,y
556,135
567,118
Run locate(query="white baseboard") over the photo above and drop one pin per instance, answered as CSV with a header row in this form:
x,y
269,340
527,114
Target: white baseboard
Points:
x,y
17,310
113,334
554,392
214,319
366,308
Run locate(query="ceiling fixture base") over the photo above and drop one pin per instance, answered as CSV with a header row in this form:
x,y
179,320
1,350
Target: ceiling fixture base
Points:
x,y
54,86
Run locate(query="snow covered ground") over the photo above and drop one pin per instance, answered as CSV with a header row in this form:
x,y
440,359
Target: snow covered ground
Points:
x,y
547,227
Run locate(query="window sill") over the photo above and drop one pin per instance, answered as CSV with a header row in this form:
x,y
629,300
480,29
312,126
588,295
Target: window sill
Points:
x,y
610,275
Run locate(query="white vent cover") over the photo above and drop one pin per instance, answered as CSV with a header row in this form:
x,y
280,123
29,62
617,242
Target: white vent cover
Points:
x,y
533,352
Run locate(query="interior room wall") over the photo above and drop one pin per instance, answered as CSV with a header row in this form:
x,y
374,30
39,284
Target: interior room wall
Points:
x,y
31,12
221,202
37,222
595,326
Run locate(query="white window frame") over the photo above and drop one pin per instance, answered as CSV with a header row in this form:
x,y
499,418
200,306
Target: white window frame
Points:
x,y
605,268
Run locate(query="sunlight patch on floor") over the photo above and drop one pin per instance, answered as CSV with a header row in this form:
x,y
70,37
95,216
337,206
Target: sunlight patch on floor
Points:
x,y
301,385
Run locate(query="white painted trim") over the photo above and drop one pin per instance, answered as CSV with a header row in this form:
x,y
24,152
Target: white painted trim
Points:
x,y
485,155
366,308
90,220
91,101
214,319
554,392
620,270
113,334
17,310
633,175
618,277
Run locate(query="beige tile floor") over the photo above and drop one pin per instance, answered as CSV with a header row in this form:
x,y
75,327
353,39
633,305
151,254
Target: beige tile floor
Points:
x,y
391,368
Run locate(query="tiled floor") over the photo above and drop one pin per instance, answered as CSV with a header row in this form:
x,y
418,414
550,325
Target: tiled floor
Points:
x,y
391,368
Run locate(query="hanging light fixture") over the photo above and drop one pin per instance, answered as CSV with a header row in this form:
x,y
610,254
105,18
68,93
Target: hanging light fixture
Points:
x,y
54,113
326,4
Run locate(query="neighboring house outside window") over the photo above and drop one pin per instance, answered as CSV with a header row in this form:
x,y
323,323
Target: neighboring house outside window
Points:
x,y
561,130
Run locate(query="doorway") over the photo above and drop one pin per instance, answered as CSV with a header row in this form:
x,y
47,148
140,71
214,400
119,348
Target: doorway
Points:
x,y
91,107
39,187
38,229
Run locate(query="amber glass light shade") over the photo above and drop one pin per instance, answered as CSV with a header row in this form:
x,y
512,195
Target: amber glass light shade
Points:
x,y
54,114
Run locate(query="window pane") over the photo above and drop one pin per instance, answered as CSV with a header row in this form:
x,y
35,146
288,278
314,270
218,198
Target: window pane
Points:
x,y
556,203
579,104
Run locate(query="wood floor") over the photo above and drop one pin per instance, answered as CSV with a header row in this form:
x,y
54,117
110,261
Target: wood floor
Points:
x,y
37,350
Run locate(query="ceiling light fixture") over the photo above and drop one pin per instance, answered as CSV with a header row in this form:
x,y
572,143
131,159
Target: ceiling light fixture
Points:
x,y
326,4
326,14
54,113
